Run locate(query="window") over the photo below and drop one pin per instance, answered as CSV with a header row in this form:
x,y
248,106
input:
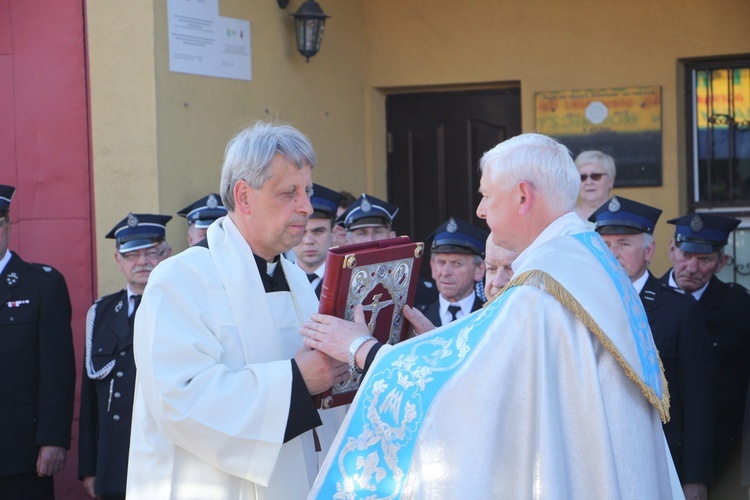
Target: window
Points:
x,y
718,138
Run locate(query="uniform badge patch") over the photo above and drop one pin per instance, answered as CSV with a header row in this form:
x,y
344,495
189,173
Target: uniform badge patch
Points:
x,y
614,205
132,220
696,224
365,205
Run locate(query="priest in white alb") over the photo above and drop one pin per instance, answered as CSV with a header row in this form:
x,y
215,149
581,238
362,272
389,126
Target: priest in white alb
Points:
x,y
223,406
552,390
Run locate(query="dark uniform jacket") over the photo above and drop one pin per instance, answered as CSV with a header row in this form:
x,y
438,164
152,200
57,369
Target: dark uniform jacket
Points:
x,y
107,401
726,308
691,371
433,312
37,364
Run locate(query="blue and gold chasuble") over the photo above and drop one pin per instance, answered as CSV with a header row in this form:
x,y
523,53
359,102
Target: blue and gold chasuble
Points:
x,y
374,454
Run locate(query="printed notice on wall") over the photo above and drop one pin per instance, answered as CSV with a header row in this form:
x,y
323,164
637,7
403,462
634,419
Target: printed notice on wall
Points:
x,y
624,122
201,42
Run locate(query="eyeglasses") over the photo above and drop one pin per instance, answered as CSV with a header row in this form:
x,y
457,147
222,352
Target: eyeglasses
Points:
x,y
594,177
150,254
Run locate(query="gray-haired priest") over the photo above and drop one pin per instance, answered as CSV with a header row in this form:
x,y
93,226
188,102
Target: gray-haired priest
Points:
x,y
553,390
223,406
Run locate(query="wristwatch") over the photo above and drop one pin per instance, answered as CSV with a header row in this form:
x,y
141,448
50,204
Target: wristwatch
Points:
x,y
353,348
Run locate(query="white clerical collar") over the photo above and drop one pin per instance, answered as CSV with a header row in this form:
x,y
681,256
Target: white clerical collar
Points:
x,y
465,304
697,294
4,261
271,267
640,282
566,224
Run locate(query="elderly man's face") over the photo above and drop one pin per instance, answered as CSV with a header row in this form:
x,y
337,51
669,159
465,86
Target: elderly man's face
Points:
x,y
311,253
137,265
631,252
693,270
455,274
498,270
279,210
496,207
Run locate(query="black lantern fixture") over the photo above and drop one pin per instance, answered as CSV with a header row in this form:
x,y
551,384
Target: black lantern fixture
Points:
x,y
309,21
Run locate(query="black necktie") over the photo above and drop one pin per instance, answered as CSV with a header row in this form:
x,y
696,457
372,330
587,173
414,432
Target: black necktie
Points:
x,y
311,277
453,310
136,303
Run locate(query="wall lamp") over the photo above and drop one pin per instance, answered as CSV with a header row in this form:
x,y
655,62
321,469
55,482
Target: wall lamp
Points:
x,y
309,23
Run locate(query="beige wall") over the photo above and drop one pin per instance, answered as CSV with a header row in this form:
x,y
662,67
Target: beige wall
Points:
x,y
552,46
158,137
123,121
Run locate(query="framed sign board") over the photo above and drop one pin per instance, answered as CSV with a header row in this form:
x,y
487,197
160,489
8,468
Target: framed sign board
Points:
x,y
623,122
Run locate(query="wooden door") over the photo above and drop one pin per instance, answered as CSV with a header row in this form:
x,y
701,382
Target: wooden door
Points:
x,y
435,142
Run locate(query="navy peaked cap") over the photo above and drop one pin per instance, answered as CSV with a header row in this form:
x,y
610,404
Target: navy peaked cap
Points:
x,y
623,216
458,236
702,233
204,211
6,194
368,211
138,231
325,202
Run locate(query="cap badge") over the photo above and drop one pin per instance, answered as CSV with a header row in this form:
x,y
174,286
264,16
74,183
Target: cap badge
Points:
x,y
696,224
452,226
614,205
11,278
212,202
132,220
365,205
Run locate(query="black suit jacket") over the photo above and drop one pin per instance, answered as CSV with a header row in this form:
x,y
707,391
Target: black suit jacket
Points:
x,y
684,346
107,403
433,311
37,364
727,312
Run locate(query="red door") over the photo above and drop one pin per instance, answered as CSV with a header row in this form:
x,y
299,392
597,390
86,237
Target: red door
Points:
x,y
44,152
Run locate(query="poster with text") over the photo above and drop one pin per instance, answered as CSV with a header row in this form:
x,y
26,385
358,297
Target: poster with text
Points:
x,y
622,122
201,42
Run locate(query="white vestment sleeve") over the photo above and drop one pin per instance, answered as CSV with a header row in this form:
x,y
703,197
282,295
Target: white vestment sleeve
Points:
x,y
194,382
542,410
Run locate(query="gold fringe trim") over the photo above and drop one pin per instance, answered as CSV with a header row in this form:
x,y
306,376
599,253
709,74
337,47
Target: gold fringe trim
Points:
x,y
543,281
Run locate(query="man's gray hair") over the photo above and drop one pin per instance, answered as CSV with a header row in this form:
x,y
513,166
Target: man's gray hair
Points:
x,y
249,154
648,240
539,160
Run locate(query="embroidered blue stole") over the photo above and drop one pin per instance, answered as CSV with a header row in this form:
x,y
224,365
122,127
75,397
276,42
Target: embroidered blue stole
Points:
x,y
372,459
651,368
